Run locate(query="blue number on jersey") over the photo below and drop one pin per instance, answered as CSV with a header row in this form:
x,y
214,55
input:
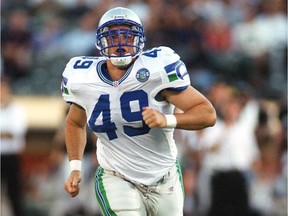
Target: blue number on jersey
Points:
x,y
103,106
109,127
152,53
129,116
84,64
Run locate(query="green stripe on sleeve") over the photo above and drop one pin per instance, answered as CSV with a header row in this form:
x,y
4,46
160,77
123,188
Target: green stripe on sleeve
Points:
x,y
172,77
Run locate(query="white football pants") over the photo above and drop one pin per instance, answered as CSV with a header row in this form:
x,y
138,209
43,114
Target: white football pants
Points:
x,y
119,196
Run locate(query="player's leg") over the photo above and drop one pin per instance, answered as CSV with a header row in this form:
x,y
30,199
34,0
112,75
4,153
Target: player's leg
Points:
x,y
171,198
117,196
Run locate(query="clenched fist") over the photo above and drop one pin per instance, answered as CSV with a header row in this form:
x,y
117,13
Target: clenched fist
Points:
x,y
153,118
72,183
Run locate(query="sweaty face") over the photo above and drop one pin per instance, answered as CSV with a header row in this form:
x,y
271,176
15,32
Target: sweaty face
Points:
x,y
120,40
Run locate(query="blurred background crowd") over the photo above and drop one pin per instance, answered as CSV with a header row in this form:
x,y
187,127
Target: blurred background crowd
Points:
x,y
236,54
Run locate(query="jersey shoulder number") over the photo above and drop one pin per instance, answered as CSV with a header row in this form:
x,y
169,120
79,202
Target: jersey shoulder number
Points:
x,y
162,53
77,71
80,65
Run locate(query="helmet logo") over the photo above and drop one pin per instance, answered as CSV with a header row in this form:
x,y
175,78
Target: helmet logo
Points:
x,y
119,17
142,75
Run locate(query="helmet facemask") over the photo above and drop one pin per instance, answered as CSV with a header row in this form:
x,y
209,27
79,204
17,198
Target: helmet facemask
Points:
x,y
113,38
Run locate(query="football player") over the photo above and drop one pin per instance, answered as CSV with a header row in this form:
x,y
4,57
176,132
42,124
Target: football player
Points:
x,y
127,97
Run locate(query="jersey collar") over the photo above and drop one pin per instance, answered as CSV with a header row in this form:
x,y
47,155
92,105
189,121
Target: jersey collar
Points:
x,y
104,76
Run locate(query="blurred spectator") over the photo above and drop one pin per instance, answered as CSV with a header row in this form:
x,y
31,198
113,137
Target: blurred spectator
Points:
x,y
268,191
16,44
217,36
13,141
262,37
81,40
228,150
46,42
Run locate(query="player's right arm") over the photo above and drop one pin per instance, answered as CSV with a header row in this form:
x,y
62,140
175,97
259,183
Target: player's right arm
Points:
x,y
75,135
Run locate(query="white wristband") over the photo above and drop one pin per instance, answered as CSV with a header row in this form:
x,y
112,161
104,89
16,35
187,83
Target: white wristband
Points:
x,y
171,121
75,165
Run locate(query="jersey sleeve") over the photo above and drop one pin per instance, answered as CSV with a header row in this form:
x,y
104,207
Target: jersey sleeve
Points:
x,y
173,71
175,74
69,76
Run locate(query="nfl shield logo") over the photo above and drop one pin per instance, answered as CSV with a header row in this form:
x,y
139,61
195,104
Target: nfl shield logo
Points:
x,y
115,84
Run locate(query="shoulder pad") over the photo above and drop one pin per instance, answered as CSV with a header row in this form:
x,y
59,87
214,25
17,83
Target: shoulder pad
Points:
x,y
80,64
163,54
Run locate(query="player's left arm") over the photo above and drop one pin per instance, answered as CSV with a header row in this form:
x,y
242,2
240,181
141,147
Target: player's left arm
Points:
x,y
197,111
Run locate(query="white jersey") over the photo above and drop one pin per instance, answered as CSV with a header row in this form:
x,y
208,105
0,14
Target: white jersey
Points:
x,y
114,110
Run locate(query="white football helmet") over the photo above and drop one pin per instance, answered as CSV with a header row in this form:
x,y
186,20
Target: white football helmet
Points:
x,y
114,17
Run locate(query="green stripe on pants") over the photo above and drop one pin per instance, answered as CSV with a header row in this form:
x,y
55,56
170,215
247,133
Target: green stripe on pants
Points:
x,y
101,194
